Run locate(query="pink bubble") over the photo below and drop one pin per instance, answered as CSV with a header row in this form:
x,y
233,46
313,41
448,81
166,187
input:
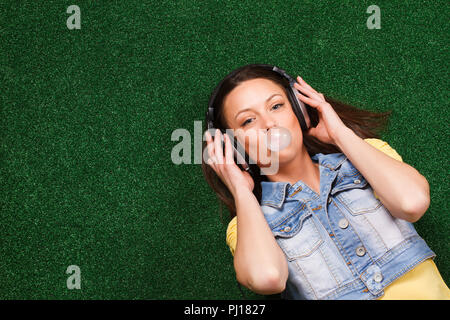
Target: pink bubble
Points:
x,y
278,138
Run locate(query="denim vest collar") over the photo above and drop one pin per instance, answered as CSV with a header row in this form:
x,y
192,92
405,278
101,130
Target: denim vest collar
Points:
x,y
274,193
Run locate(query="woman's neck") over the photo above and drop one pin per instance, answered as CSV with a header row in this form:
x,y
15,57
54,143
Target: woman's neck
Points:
x,y
300,168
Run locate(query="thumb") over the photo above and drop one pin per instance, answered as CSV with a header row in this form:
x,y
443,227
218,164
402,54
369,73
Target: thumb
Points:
x,y
311,131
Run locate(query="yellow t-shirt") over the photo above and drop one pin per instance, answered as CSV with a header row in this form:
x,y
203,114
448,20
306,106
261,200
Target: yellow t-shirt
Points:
x,y
421,283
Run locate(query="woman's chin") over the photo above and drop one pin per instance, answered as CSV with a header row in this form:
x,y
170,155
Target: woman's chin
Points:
x,y
275,158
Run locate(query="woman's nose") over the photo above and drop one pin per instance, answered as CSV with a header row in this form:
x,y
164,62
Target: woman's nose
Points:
x,y
269,123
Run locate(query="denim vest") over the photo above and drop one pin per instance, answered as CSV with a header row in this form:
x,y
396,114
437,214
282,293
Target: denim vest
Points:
x,y
343,244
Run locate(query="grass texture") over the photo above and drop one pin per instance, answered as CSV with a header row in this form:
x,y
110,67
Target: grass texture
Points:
x,y
86,119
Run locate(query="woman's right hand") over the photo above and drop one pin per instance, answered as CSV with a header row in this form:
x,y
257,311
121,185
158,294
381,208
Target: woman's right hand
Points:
x,y
227,170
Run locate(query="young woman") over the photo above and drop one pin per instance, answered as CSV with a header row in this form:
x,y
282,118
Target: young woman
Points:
x,y
335,220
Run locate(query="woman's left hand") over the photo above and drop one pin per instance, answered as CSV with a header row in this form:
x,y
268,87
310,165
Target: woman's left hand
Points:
x,y
329,124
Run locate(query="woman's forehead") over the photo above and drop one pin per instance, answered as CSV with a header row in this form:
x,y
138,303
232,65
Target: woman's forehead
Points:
x,y
250,94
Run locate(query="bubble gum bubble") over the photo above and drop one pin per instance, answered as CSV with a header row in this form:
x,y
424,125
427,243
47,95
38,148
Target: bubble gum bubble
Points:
x,y
278,138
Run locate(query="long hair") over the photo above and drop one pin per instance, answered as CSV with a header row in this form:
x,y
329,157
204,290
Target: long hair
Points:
x,y
365,124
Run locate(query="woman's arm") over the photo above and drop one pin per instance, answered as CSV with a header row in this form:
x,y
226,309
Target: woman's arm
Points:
x,y
259,262
400,187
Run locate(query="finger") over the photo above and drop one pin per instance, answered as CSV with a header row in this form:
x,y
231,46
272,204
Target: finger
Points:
x,y
303,83
211,163
312,131
228,150
309,101
210,144
305,90
218,151
212,160
207,136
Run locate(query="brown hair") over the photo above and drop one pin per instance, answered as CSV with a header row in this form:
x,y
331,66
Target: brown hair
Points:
x,y
365,124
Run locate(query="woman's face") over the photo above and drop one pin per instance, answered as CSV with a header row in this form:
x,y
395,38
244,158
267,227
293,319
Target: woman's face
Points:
x,y
255,106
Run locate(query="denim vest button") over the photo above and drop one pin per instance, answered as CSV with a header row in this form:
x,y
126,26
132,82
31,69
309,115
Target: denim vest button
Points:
x,y
378,277
287,229
360,251
343,223
357,181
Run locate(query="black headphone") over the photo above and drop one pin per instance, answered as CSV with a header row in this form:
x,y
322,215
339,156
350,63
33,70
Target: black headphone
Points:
x,y
300,109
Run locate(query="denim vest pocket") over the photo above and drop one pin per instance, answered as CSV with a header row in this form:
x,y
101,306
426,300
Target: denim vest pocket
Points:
x,y
310,267
300,240
356,194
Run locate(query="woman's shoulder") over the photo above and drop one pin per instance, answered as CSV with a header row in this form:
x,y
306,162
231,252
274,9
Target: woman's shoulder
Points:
x,y
232,224
232,234
384,147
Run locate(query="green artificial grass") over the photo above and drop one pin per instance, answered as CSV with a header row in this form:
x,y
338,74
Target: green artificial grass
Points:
x,y
86,118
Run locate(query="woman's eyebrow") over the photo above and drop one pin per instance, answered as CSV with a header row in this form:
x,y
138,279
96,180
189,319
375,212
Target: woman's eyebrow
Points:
x,y
246,109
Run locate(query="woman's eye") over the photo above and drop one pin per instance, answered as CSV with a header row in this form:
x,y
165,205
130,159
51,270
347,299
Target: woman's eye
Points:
x,y
279,104
274,107
246,122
